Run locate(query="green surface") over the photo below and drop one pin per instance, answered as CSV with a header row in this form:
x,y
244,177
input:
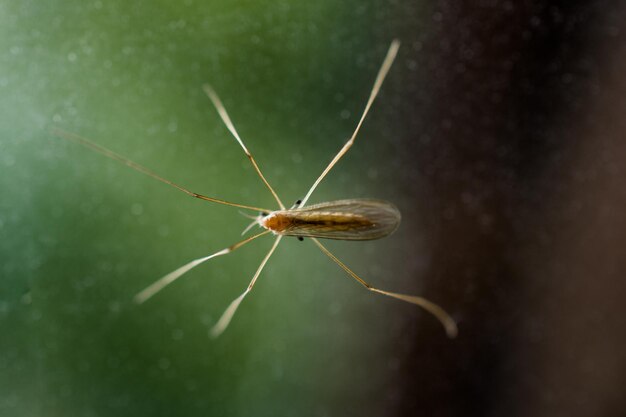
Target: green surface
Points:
x,y
80,234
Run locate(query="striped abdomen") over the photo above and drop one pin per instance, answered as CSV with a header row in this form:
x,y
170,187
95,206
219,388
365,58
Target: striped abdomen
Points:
x,y
358,219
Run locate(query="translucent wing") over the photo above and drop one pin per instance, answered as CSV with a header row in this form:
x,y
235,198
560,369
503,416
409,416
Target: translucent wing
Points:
x,y
358,219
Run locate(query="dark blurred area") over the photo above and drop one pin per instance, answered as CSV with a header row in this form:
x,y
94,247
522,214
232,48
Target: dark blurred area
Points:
x,y
500,133
524,154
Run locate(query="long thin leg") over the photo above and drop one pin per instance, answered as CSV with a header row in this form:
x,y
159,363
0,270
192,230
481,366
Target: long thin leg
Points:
x,y
432,308
229,124
228,314
119,158
382,73
174,275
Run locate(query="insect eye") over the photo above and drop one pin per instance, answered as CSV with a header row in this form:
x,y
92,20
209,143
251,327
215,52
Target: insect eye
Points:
x,y
264,213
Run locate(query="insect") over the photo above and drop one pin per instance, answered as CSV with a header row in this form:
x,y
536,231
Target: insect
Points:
x,y
355,219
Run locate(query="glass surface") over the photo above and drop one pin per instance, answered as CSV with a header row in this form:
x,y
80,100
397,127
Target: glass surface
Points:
x,y
498,134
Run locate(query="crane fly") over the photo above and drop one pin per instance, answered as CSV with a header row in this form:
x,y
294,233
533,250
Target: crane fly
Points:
x,y
354,219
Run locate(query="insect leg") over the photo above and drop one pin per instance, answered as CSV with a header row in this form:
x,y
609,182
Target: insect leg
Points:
x,y
296,204
229,124
119,158
382,73
445,319
172,276
228,314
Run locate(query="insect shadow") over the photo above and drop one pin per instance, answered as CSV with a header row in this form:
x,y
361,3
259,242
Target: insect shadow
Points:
x,y
354,219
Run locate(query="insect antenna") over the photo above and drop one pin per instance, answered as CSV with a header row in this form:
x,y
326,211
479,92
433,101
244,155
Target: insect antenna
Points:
x,y
119,158
247,216
229,124
382,73
174,275
248,227
445,319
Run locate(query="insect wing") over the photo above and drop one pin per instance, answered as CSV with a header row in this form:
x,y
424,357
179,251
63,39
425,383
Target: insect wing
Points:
x,y
357,219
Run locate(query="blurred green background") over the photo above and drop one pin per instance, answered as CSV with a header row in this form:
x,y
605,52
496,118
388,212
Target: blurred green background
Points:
x,y
499,134
82,234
